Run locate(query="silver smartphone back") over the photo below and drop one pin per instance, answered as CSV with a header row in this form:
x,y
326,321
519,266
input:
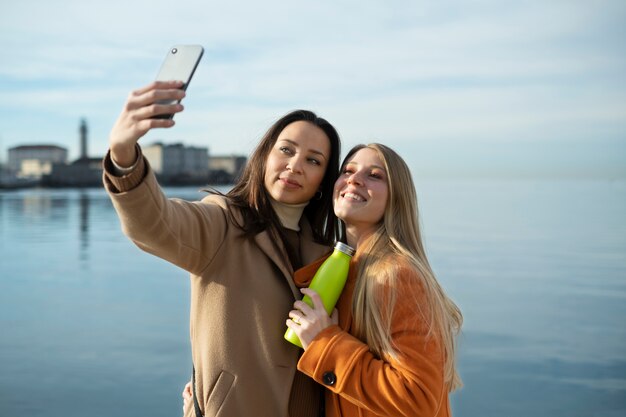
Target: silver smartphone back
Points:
x,y
180,64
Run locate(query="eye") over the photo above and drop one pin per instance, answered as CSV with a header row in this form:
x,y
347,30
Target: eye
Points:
x,y
377,175
314,161
286,150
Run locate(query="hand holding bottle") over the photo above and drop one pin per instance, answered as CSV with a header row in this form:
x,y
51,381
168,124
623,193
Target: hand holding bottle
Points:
x,y
327,285
306,321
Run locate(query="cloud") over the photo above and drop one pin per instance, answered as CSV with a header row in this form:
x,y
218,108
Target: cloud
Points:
x,y
400,71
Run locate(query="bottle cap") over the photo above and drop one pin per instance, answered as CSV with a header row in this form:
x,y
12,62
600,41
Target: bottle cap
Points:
x,y
348,250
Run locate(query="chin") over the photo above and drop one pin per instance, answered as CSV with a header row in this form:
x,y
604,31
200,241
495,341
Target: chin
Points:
x,y
344,217
289,199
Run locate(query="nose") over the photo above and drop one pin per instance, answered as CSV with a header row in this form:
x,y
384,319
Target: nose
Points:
x,y
355,178
295,164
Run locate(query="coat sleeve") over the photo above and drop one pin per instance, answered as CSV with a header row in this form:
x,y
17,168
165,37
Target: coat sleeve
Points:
x,y
187,234
410,386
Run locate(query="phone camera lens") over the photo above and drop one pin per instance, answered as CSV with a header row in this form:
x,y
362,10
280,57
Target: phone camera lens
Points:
x,y
174,50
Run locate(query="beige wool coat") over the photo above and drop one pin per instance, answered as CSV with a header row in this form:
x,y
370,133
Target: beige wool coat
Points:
x,y
241,293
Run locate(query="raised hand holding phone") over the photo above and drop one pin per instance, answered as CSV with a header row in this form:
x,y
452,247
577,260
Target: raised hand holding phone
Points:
x,y
154,105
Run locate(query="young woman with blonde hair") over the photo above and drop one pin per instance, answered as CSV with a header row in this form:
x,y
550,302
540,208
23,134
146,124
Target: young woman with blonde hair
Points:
x,y
389,348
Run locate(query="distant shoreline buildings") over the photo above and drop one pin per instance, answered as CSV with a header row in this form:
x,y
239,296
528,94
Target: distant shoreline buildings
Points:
x,y
47,165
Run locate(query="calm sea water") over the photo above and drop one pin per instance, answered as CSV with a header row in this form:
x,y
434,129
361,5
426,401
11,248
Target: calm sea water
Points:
x,y
90,325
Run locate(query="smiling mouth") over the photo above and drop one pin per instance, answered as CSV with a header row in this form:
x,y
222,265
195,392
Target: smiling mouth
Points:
x,y
353,197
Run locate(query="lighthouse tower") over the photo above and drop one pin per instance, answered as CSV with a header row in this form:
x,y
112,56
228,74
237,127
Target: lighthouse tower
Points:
x,y
83,139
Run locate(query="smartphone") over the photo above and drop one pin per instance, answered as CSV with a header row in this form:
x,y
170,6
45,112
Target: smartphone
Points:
x,y
179,65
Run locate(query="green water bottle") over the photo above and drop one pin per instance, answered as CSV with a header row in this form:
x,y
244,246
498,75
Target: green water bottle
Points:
x,y
328,282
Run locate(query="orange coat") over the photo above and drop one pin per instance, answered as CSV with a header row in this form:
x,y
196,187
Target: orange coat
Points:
x,y
360,385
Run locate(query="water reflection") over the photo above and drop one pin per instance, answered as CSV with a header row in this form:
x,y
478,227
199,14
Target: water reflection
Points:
x,y
537,270
37,206
54,220
71,307
64,222
84,201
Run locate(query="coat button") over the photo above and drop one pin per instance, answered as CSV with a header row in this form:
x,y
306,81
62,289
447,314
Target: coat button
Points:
x,y
329,378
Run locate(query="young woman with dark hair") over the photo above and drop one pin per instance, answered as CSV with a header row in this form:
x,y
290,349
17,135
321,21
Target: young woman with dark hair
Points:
x,y
240,248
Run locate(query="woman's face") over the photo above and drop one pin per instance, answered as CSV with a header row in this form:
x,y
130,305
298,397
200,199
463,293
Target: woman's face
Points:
x,y
297,163
361,192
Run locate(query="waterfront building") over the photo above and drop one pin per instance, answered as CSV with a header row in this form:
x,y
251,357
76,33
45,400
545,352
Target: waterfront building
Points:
x,y
83,172
225,169
35,161
178,164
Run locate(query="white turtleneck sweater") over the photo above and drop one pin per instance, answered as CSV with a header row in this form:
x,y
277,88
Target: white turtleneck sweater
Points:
x,y
289,214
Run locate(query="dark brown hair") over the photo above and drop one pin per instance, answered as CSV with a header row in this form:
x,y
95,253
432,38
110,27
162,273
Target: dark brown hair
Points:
x,y
252,199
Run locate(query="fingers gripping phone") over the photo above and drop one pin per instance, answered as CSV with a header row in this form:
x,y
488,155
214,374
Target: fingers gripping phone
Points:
x,y
179,65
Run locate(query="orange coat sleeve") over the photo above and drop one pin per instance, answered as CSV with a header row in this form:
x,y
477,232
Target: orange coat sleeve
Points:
x,y
413,385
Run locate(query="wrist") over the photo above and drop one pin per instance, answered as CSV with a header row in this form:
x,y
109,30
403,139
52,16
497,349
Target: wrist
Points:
x,y
124,156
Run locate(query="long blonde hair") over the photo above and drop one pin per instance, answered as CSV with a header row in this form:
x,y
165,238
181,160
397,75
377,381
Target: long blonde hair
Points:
x,y
397,242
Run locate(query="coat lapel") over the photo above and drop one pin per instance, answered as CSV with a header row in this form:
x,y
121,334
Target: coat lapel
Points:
x,y
309,251
264,240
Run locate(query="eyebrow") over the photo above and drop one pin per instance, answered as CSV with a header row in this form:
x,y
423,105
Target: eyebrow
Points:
x,y
315,151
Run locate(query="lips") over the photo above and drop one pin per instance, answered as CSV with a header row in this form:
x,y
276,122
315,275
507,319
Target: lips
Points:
x,y
289,182
351,195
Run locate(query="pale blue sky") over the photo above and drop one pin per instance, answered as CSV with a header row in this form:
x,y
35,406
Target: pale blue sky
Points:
x,y
487,87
